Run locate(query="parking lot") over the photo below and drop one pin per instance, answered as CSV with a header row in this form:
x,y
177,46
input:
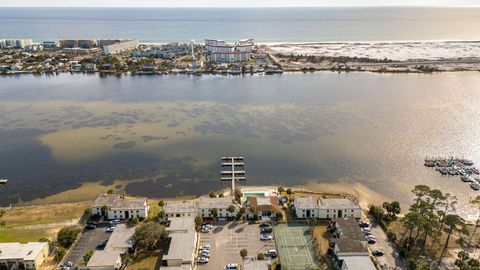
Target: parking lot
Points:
x,y
227,239
89,239
391,259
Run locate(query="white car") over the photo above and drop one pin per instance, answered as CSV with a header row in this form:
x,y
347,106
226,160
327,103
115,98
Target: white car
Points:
x,y
110,229
202,260
205,246
266,237
204,254
231,266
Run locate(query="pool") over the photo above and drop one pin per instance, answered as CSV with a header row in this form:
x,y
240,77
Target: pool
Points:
x,y
257,194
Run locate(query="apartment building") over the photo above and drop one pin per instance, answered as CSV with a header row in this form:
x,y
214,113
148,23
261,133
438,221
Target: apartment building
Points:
x,y
29,256
206,204
311,207
221,51
121,46
115,206
15,43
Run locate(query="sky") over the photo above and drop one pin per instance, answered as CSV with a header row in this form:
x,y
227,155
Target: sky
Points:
x,y
235,3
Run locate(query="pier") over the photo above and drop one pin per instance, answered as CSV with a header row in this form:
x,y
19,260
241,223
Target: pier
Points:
x,y
452,166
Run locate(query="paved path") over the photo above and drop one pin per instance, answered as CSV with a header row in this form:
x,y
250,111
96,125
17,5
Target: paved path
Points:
x,y
391,259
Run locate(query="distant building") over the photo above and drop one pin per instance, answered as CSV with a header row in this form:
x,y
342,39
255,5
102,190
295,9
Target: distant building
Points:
x,y
310,207
223,52
181,252
121,46
206,204
81,43
119,244
50,44
106,42
264,207
33,48
180,209
15,43
115,206
29,256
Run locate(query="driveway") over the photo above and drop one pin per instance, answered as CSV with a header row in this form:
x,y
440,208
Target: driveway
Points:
x,y
227,239
391,259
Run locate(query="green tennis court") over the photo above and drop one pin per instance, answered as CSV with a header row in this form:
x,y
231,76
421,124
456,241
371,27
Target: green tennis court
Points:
x,y
295,247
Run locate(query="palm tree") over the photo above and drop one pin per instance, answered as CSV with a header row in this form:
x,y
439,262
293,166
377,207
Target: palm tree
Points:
x,y
475,201
214,212
453,223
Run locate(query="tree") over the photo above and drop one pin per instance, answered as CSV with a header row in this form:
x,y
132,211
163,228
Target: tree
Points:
x,y
60,254
67,235
376,212
243,253
134,221
393,209
212,195
453,223
238,195
289,191
220,195
198,222
281,189
260,256
147,236
161,203
231,209
88,211
87,256
43,239
110,191
214,212
475,201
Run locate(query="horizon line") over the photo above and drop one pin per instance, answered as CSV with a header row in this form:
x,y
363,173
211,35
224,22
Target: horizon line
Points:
x,y
300,6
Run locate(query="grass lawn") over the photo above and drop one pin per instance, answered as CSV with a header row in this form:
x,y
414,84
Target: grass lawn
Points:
x,y
30,223
147,263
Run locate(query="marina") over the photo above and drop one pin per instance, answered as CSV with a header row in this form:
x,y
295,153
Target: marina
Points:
x,y
456,167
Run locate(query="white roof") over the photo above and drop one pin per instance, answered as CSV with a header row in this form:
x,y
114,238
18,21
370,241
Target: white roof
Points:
x,y
183,239
26,252
105,257
358,263
218,203
121,237
306,203
263,201
180,207
337,204
255,265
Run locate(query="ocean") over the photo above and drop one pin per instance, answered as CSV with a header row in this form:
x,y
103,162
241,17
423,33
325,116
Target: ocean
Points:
x,y
267,25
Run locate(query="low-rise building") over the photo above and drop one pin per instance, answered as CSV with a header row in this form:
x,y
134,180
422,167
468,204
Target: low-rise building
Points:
x,y
119,244
115,206
310,207
206,204
264,207
180,209
29,256
181,252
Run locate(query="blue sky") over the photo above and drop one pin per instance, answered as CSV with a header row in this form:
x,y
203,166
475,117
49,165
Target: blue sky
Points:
x,y
235,3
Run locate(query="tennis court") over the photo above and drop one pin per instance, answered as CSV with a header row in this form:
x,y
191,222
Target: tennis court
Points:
x,y
295,247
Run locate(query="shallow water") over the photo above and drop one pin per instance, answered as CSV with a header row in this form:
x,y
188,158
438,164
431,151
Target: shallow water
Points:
x,y
170,131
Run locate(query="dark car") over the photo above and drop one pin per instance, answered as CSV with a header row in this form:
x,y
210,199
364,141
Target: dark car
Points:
x,y
266,230
377,253
90,227
102,245
264,224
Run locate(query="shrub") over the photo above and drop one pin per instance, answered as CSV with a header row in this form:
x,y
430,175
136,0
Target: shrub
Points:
x,y
87,256
243,253
66,236
260,256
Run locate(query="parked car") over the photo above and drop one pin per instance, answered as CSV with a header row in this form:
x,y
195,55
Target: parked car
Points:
x,y
377,253
90,227
102,245
372,240
207,222
110,229
205,246
264,224
266,230
366,230
202,260
364,224
266,237
204,254
69,264
231,266
272,253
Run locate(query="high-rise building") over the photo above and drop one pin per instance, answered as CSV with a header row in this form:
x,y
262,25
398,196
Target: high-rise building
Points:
x,y
222,52
120,46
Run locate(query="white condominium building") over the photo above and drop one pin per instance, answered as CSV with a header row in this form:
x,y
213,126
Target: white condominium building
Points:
x,y
15,43
121,46
27,256
310,207
115,206
223,52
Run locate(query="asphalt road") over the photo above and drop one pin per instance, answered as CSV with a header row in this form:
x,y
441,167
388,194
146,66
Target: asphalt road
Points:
x,y
89,239
391,259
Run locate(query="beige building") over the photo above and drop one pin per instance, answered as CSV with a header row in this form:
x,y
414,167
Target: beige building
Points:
x,y
310,207
29,256
180,209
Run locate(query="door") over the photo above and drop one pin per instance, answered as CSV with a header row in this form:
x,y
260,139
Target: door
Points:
x,y
127,215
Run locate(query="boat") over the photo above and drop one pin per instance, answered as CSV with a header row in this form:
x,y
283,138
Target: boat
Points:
x,y
465,179
466,162
3,181
475,186
430,164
